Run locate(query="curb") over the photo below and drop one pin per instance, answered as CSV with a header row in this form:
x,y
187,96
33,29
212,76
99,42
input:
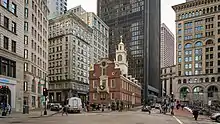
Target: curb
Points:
x,y
45,116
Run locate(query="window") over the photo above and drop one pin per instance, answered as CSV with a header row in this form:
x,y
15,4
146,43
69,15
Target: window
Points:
x,y
13,8
94,96
25,26
13,46
26,12
8,67
112,96
103,71
6,3
25,88
25,67
113,85
33,86
6,22
13,27
25,40
26,2
95,84
179,59
33,101
26,54
103,83
119,57
6,42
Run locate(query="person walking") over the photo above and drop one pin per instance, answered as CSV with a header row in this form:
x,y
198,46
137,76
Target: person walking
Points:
x,y
65,110
196,113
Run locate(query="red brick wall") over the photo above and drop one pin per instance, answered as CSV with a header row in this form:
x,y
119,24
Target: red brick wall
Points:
x,y
96,73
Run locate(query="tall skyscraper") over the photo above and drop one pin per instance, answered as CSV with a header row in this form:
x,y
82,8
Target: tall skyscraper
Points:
x,y
56,7
167,47
128,18
198,51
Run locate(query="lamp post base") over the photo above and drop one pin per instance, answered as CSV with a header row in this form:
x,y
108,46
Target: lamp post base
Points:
x,y
3,113
45,112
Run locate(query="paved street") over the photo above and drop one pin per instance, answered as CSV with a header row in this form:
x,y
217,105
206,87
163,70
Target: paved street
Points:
x,y
129,117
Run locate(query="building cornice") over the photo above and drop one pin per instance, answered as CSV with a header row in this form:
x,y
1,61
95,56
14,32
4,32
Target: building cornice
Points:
x,y
70,15
125,78
192,4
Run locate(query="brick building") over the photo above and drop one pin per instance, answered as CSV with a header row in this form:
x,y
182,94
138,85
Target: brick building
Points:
x,y
109,81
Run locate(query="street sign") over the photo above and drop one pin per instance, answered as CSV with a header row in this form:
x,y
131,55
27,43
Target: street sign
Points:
x,y
42,99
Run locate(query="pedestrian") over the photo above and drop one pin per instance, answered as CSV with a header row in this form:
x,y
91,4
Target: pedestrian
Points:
x,y
196,113
172,108
65,110
102,107
182,106
9,109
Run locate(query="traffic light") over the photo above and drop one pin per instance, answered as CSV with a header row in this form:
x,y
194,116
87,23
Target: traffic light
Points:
x,y
45,92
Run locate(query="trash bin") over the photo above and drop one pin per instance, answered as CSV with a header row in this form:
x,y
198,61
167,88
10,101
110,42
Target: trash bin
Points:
x,y
25,109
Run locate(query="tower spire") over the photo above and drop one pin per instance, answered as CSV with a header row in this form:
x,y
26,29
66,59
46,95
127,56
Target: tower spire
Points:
x,y
121,39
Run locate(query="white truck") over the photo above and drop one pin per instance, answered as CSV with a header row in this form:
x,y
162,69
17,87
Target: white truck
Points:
x,y
75,105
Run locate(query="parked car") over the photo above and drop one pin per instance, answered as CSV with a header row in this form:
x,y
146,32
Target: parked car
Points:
x,y
157,106
216,117
56,107
146,109
152,106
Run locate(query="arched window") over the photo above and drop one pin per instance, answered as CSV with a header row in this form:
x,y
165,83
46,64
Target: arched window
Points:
x,y
207,80
179,81
209,42
184,81
119,57
188,45
201,80
212,79
183,92
198,92
199,43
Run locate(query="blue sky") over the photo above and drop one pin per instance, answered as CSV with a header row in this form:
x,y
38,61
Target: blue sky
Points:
x,y
167,13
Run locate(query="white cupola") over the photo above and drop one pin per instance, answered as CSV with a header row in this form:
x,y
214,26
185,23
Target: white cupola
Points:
x,y
121,57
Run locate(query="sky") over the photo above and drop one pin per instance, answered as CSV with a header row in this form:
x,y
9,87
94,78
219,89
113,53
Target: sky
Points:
x,y
167,13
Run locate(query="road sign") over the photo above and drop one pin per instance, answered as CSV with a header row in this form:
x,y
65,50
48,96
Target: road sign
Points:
x,y
42,99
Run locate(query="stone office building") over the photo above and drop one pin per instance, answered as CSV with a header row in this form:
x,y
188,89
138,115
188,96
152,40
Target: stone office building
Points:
x,y
198,51
12,51
69,44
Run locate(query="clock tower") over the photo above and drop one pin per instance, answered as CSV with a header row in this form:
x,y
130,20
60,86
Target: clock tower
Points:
x,y
121,57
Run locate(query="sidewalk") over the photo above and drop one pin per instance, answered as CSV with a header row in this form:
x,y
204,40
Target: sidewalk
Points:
x,y
187,114
32,114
